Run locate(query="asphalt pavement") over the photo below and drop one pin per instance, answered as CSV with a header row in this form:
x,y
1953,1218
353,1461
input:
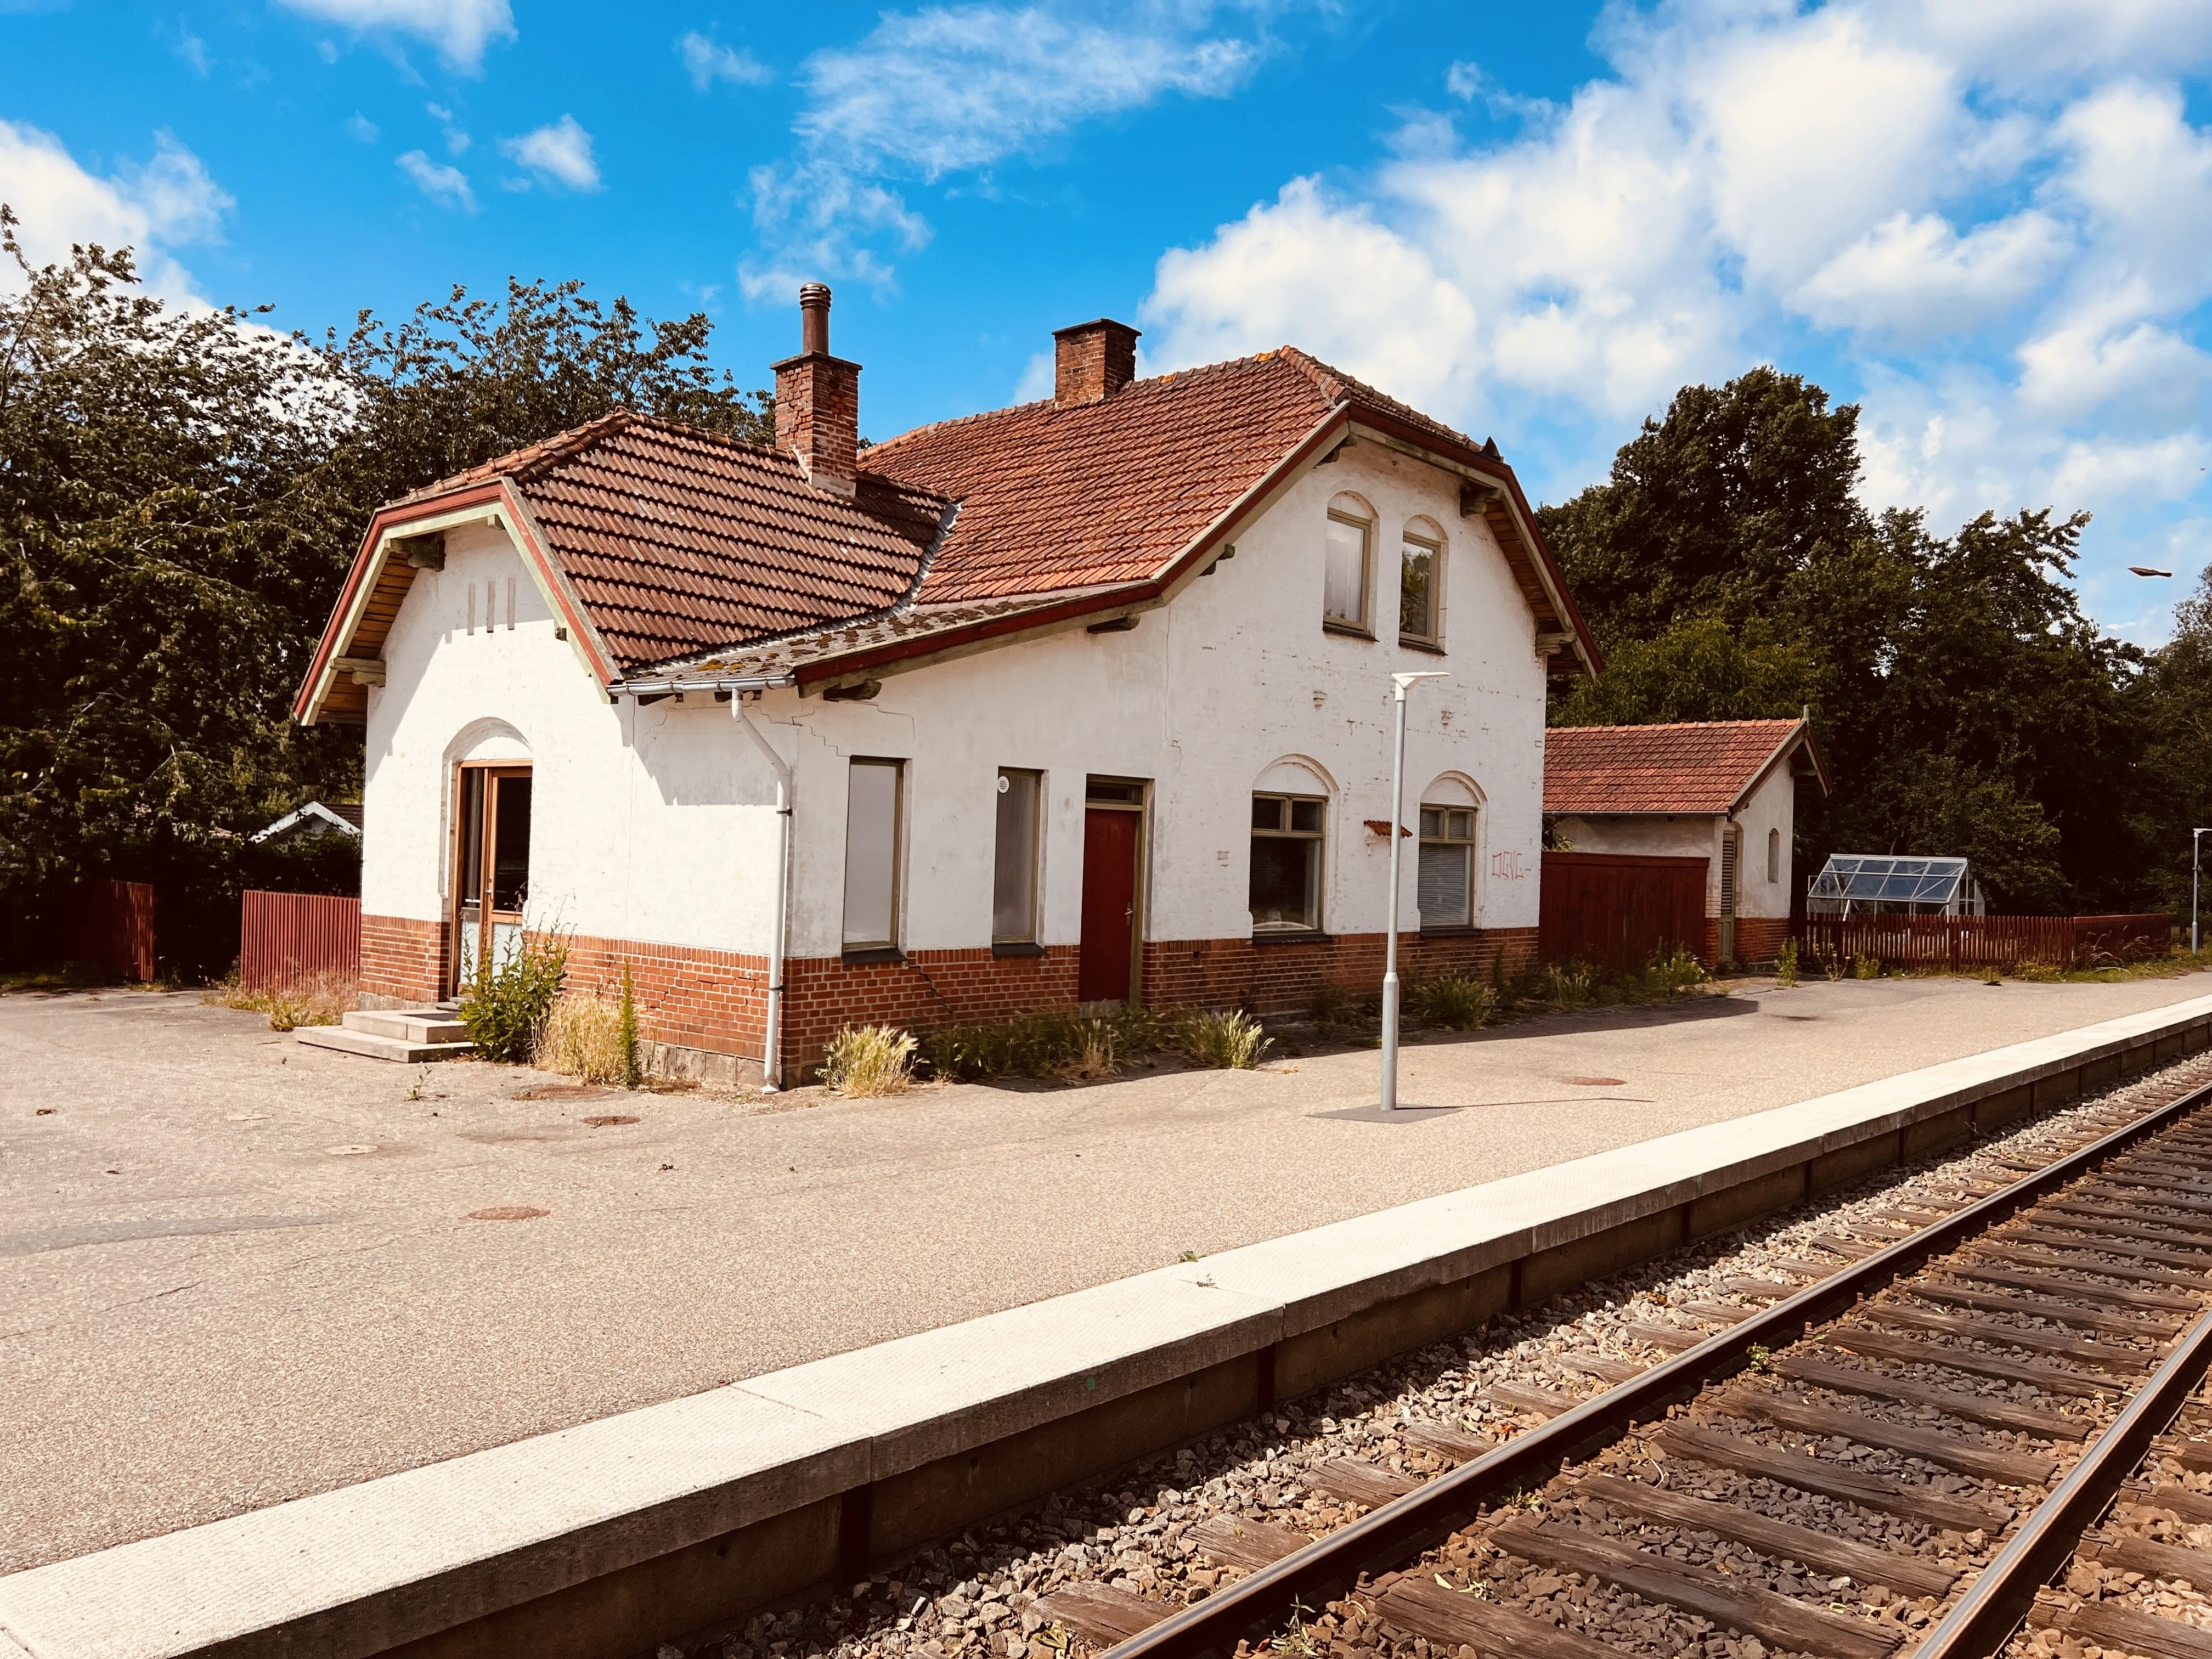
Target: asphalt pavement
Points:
x,y
235,1269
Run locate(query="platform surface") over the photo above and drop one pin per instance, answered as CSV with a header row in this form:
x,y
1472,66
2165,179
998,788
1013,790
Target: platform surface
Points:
x,y
238,1270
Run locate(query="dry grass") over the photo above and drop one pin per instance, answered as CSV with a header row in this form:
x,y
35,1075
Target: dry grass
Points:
x,y
582,1038
865,1061
322,998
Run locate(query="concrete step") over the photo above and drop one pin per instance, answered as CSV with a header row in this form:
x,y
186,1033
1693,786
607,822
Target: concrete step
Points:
x,y
417,1025
346,1040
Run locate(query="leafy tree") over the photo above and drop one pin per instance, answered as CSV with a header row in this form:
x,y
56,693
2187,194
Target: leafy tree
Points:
x,y
181,494
2171,705
462,381
164,566
1963,702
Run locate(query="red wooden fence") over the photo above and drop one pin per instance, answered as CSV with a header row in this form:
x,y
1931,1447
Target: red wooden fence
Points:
x,y
1617,910
283,938
112,923
1955,942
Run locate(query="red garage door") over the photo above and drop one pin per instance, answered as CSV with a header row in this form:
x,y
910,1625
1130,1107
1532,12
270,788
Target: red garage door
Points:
x,y
1616,910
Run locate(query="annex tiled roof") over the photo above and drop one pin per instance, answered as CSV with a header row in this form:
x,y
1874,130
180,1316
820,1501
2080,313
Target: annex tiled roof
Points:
x,y
678,541
1702,766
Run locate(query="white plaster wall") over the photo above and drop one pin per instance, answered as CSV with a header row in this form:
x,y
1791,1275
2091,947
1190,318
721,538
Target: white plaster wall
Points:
x,y
1772,805
645,824
657,824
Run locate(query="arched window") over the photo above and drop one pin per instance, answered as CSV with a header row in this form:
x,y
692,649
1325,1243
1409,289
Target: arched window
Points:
x,y
1420,583
1444,889
1290,834
1348,554
1773,857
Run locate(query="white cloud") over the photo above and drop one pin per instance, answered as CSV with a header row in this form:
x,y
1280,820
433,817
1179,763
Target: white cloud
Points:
x,y
815,218
708,61
441,183
1914,276
1987,223
958,88
460,29
167,202
362,128
560,154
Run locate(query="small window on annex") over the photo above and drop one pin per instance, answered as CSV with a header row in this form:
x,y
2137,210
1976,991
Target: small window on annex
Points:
x,y
1287,862
1773,857
1445,892
1014,871
872,854
1351,538
1420,567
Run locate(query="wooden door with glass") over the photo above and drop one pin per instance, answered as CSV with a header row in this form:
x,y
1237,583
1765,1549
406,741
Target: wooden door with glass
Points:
x,y
491,868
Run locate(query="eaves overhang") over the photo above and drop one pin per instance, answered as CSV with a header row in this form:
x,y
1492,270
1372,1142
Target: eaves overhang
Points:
x,y
376,586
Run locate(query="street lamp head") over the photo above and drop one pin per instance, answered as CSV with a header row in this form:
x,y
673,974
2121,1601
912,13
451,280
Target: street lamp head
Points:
x,y
1404,683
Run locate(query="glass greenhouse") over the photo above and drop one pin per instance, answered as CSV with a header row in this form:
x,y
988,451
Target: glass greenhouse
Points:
x,y
1878,885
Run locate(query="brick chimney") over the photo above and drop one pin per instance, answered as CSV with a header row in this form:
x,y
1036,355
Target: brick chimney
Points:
x,y
817,401
1092,360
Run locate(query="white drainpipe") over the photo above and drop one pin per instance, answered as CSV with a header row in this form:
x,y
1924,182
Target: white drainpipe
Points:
x,y
772,1058
772,1044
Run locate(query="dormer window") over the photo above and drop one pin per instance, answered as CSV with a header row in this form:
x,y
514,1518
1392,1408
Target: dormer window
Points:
x,y
1344,594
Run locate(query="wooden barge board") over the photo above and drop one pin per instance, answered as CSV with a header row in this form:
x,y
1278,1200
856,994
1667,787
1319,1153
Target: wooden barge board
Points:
x,y
602,1539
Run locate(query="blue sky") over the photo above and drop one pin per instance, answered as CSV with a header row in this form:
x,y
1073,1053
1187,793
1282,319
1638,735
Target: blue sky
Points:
x,y
1989,223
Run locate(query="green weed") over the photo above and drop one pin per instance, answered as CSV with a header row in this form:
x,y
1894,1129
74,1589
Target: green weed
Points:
x,y
1231,1041
511,1000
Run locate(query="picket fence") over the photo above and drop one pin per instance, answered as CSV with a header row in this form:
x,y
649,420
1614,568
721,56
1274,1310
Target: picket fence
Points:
x,y
1963,942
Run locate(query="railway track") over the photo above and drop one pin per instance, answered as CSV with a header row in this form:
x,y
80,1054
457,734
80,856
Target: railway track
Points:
x,y
1967,1424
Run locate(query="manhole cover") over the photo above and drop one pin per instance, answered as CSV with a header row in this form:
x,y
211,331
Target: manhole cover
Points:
x,y
348,1151
505,1213
1595,1081
607,1122
560,1092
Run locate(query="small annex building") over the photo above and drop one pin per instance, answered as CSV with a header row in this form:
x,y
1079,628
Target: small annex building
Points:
x,y
1724,790
1077,702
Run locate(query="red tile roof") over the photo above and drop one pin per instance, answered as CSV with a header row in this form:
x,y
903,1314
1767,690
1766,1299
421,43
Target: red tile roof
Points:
x,y
678,541
1697,767
677,544
1055,497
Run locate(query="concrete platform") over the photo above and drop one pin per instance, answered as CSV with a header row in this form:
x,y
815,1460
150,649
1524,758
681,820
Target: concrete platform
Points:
x,y
239,1270
602,1538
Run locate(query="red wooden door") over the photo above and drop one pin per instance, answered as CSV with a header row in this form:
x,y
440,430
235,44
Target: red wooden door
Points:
x,y
1109,904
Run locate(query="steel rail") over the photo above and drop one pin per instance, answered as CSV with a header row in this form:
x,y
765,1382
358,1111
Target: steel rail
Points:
x,y
1983,1620
1384,1538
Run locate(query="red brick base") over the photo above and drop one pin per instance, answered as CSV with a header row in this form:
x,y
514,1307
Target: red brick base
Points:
x,y
403,957
1280,977
1758,939
717,1000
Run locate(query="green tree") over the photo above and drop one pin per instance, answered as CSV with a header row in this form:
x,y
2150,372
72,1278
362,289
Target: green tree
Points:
x,y
1963,702
181,494
2173,709
466,380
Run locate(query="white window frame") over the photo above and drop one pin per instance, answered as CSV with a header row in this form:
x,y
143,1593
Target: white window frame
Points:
x,y
897,769
1435,550
1361,624
1317,866
1465,842
1002,786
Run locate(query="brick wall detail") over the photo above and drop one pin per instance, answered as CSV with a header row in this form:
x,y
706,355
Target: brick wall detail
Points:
x,y
402,956
1277,979
717,1000
1758,939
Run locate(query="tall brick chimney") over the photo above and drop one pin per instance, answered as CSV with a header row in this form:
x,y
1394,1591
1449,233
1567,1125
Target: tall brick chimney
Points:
x,y
1092,360
817,401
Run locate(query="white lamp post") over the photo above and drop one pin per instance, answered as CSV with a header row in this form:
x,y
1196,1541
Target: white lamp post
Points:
x,y
2196,847
1400,685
